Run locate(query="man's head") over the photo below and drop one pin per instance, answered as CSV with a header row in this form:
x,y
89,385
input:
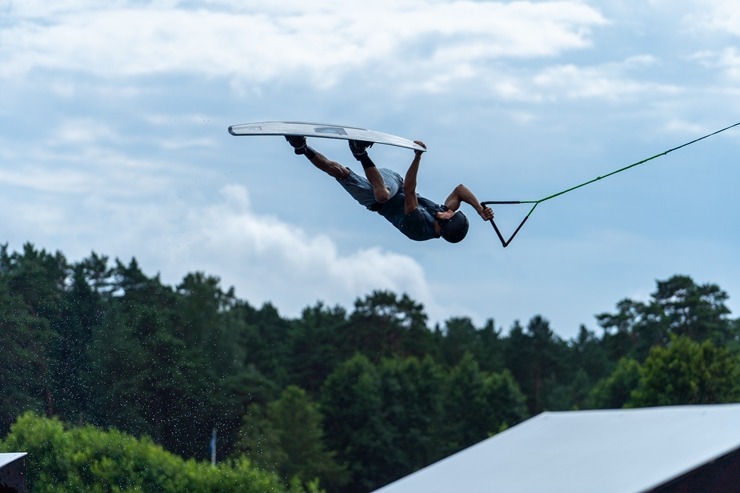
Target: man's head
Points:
x,y
455,228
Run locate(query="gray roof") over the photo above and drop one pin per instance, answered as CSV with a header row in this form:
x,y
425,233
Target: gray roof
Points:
x,y
7,458
609,451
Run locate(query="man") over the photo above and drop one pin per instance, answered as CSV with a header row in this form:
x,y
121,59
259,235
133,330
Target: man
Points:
x,y
395,198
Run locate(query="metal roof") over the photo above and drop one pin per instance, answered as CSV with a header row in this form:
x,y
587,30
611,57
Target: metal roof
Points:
x,y
609,451
7,458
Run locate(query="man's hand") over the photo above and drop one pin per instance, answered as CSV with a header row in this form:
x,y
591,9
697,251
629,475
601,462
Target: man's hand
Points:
x,y
445,215
422,144
486,213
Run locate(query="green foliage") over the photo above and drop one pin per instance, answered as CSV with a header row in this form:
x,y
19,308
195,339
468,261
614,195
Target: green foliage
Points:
x,y
24,365
462,337
317,346
684,372
411,393
677,307
389,419
287,437
354,398
615,391
352,406
688,372
478,404
538,360
29,294
87,459
384,325
260,440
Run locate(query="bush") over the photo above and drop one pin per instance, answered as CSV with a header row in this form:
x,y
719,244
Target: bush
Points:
x,y
88,459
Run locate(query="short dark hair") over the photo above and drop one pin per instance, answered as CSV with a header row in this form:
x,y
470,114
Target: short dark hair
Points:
x,y
455,229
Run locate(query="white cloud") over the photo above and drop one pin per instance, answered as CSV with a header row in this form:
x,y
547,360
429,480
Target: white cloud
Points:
x,y
79,156
274,261
42,179
717,15
288,41
685,127
575,82
729,62
608,81
79,131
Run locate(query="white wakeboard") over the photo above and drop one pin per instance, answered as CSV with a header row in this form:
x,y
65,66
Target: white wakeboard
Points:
x,y
325,131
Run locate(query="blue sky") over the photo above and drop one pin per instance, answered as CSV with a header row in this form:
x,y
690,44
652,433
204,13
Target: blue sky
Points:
x,y
114,139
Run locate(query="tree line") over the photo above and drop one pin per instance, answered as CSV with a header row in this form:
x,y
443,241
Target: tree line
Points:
x,y
354,398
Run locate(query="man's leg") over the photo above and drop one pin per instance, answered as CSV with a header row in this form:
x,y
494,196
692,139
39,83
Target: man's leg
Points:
x,y
357,186
380,189
329,167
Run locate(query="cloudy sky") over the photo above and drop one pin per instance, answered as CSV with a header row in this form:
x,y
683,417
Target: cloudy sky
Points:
x,y
113,139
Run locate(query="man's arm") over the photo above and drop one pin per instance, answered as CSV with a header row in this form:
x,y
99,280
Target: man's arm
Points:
x,y
460,194
411,202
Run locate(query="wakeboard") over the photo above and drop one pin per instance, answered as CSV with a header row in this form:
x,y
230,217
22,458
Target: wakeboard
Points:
x,y
325,131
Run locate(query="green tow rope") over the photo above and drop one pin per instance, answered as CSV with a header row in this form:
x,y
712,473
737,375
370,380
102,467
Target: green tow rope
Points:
x,y
535,203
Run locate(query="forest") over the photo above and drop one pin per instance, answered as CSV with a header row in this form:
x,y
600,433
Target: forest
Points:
x,y
114,381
